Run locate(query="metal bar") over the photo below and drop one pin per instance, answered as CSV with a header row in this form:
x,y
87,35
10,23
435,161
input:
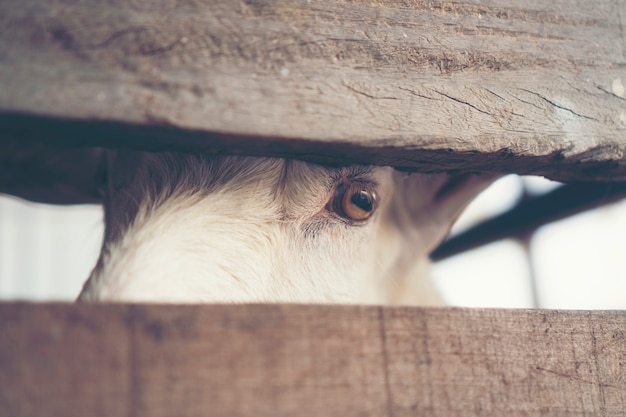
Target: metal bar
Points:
x,y
532,213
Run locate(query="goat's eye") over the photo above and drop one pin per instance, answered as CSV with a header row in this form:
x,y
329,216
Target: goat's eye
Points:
x,y
355,202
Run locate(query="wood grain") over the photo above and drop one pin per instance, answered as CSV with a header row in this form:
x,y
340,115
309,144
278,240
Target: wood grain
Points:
x,y
530,86
283,360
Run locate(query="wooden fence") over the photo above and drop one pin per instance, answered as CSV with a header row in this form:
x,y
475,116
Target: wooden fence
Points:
x,y
288,360
530,87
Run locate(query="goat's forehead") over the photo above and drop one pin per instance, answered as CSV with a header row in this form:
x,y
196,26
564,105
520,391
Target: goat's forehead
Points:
x,y
215,172
298,172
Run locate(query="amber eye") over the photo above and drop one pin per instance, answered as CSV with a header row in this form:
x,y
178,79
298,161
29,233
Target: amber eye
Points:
x,y
355,202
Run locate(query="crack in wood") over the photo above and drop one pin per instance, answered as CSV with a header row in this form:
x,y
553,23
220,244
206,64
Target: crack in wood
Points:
x,y
558,106
596,361
118,34
599,87
462,102
620,17
349,87
528,102
575,378
415,93
383,339
497,95
133,361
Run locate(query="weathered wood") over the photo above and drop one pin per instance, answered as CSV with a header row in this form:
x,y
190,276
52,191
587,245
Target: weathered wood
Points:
x,y
284,360
504,85
49,174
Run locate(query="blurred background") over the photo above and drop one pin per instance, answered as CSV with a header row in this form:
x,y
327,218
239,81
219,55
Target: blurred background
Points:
x,y
47,252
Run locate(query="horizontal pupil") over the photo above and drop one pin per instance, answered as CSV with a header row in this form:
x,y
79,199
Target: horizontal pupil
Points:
x,y
362,200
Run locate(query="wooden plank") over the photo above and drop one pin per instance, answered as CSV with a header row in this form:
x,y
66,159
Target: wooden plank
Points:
x,y
61,360
283,360
505,85
51,174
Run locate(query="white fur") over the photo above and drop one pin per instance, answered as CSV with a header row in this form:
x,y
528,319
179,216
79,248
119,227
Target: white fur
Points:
x,y
251,230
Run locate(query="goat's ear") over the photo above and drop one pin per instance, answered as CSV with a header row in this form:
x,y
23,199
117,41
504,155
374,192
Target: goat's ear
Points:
x,y
425,206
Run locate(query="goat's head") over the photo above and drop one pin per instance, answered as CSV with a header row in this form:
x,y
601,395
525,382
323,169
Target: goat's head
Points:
x,y
187,228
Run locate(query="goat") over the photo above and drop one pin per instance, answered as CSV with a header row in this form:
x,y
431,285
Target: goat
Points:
x,y
200,228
